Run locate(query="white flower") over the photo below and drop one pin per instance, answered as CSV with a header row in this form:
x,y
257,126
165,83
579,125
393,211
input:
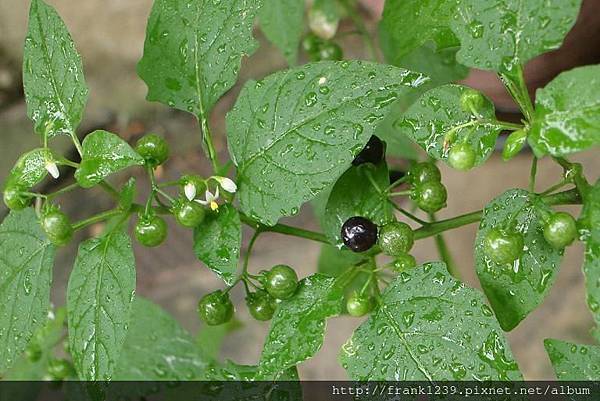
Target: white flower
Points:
x,y
189,190
321,24
226,183
52,169
211,199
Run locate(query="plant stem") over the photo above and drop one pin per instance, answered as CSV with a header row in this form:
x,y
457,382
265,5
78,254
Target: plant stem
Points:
x,y
285,230
209,146
97,218
401,193
444,251
532,174
362,30
514,82
63,190
110,189
408,214
76,143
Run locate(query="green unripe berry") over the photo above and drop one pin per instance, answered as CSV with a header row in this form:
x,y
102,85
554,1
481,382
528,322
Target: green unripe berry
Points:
x,y
151,231
423,172
60,369
358,306
215,308
461,156
33,351
430,196
57,227
14,198
261,305
396,238
153,148
560,230
330,51
281,282
471,100
189,213
404,262
514,143
503,247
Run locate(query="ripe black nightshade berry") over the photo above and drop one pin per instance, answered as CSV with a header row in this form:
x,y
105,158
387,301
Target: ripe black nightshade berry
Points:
x,y
359,234
373,152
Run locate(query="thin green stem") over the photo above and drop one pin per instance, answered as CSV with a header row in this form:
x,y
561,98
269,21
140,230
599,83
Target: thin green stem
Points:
x,y
555,187
401,193
362,30
63,190
444,251
96,219
514,82
285,230
76,142
533,174
396,183
407,213
110,189
208,142
576,174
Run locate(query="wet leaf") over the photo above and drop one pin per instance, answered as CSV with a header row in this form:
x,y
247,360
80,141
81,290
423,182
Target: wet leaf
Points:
x,y
590,235
104,153
567,115
497,34
217,242
294,133
282,23
231,371
25,277
429,120
298,326
439,65
574,362
157,348
411,24
127,194
46,338
193,50
30,169
354,195
429,327
514,290
55,88
99,297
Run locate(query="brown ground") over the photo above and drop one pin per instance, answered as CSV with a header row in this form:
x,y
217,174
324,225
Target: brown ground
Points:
x,y
110,35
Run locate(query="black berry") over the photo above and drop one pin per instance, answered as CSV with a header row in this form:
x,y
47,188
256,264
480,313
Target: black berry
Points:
x,y
359,234
373,152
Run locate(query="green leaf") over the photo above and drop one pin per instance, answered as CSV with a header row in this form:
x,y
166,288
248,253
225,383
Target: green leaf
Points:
x,y
429,327
439,65
30,169
514,290
217,242
573,362
590,235
46,337
497,34
104,153
438,112
127,194
282,23
53,80
99,297
298,326
231,371
567,113
411,24
354,195
157,348
193,50
25,275
295,132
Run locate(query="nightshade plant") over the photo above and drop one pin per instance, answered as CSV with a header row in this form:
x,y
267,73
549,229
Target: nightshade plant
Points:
x,y
314,132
